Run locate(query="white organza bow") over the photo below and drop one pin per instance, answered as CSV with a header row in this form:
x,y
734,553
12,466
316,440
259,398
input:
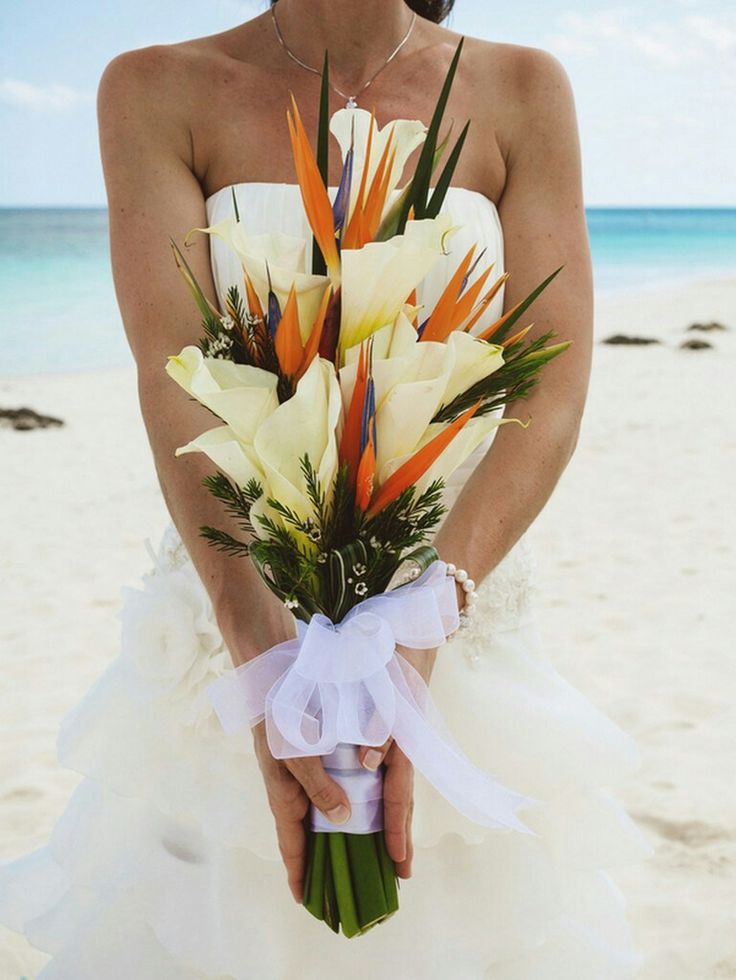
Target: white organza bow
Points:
x,y
345,683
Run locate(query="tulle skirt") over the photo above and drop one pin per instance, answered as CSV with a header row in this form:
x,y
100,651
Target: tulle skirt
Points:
x,y
165,866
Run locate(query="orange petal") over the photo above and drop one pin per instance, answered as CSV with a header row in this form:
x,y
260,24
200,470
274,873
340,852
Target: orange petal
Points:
x,y
354,231
517,336
366,475
417,465
489,331
314,193
288,340
439,325
254,304
350,443
481,308
311,347
376,199
466,302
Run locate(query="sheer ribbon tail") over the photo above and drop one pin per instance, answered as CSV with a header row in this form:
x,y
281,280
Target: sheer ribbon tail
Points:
x,y
345,685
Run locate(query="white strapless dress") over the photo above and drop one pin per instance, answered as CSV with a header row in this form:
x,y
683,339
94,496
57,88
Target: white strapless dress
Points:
x,y
164,865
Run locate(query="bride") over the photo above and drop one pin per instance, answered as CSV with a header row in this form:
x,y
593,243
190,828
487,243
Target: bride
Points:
x,y
181,854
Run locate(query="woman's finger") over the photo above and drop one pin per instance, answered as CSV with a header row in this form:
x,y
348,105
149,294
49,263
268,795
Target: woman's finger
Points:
x,y
397,797
292,841
371,756
325,793
403,868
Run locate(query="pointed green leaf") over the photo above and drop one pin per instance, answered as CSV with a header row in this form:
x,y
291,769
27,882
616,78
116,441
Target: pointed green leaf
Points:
x,y
343,884
422,175
503,331
201,300
445,178
319,267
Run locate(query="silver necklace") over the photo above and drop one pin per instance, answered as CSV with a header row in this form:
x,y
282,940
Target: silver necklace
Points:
x,y
351,100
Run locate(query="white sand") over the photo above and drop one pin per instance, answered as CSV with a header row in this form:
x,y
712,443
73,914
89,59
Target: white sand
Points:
x,y
634,551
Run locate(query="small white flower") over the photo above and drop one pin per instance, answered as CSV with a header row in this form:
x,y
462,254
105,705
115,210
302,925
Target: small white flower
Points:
x,y
227,322
359,569
360,588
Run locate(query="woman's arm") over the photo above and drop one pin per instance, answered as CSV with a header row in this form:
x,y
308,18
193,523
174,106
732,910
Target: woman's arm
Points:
x,y
153,194
544,226
543,219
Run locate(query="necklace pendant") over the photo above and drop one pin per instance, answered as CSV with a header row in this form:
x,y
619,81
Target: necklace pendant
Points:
x,y
351,103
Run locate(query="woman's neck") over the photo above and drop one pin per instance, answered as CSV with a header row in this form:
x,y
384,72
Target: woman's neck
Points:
x,y
359,34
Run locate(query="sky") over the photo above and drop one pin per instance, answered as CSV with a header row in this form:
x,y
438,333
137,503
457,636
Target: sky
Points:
x,y
654,83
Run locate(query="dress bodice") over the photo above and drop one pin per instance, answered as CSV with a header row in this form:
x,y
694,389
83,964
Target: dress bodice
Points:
x,y
275,207
272,207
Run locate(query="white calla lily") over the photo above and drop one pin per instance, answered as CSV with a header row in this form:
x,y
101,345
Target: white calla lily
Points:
x,y
405,411
269,449
413,380
378,278
473,360
280,256
460,448
354,125
240,394
306,424
235,458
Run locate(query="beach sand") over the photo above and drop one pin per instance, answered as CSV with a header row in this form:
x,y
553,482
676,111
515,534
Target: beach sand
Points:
x,y
634,551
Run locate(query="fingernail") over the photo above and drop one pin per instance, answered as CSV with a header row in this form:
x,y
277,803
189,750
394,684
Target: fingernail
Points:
x,y
372,759
339,814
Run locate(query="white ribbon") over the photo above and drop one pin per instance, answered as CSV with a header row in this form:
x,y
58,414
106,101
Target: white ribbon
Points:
x,y
346,683
364,789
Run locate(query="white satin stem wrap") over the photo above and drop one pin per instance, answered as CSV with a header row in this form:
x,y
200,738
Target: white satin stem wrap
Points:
x,y
364,790
346,683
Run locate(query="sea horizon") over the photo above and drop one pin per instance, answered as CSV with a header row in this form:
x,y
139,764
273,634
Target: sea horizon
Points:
x,y
55,273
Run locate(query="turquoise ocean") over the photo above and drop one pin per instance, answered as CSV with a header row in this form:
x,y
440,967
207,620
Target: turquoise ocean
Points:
x,y
58,310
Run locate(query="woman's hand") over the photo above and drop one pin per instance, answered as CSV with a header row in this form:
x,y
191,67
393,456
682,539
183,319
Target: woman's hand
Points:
x,y
291,784
398,780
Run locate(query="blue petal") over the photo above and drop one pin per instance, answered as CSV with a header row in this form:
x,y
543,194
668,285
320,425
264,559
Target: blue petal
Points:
x,y
342,198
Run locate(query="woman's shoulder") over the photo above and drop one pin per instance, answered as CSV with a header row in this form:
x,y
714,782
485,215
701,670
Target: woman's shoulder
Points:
x,y
521,68
178,59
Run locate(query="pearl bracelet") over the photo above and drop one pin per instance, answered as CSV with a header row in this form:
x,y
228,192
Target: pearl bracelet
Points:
x,y
404,575
468,587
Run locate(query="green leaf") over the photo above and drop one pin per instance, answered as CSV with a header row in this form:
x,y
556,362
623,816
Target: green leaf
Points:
x,y
390,224
423,172
235,204
388,871
314,878
367,877
225,542
445,178
340,563
423,557
502,332
191,281
319,267
343,884
329,903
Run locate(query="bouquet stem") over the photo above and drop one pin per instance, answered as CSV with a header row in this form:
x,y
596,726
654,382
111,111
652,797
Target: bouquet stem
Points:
x,y
350,880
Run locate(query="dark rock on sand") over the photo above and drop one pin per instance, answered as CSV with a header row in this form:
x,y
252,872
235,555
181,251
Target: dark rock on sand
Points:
x,y
25,418
622,338
696,345
707,327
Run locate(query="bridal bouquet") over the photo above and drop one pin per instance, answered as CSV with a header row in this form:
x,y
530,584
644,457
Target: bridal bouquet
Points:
x,y
344,405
